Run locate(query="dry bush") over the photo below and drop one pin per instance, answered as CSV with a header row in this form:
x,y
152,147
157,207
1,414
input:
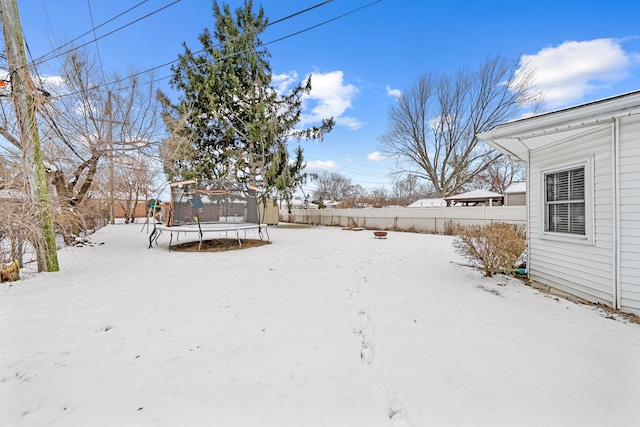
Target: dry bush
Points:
x,y
75,221
449,228
494,247
9,272
18,233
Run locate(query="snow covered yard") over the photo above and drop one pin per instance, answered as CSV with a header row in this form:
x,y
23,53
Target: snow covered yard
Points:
x,y
324,327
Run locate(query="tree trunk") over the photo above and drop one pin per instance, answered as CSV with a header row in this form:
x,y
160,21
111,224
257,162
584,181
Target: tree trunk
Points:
x,y
22,91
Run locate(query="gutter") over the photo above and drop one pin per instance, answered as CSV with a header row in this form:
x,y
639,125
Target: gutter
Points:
x,y
528,211
580,115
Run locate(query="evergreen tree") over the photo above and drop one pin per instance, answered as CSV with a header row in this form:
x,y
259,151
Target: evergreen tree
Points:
x,y
229,123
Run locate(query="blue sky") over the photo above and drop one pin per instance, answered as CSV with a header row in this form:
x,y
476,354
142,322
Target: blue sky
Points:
x,y
582,50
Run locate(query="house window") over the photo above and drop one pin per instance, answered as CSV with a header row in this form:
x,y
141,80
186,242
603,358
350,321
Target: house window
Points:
x,y
565,201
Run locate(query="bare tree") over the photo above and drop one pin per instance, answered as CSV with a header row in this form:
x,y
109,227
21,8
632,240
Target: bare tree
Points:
x,y
378,197
97,124
408,189
354,197
332,186
499,175
135,182
432,129
18,233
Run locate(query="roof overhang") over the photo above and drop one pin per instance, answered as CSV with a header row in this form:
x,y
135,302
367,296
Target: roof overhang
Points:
x,y
518,137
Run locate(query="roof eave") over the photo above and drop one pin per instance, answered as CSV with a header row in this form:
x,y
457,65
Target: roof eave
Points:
x,y
503,136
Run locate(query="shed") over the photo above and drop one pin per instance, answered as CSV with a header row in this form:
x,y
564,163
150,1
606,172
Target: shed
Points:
x,y
516,194
269,212
583,180
476,198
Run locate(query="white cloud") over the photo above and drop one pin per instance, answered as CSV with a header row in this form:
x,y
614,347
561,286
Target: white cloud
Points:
x,y
330,97
396,93
55,85
320,166
376,156
283,82
568,72
349,122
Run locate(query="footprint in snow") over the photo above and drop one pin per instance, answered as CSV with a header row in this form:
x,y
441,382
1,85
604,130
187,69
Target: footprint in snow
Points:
x,y
366,347
396,414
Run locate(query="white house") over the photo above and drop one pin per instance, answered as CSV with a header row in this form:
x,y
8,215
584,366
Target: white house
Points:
x,y
583,199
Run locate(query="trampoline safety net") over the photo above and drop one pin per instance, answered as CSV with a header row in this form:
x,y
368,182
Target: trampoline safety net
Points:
x,y
212,202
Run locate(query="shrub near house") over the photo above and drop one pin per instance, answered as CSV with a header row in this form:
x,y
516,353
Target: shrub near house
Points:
x,y
494,247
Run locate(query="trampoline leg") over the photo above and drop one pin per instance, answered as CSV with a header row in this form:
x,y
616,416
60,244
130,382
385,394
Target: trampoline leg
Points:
x,y
170,240
153,233
238,238
266,230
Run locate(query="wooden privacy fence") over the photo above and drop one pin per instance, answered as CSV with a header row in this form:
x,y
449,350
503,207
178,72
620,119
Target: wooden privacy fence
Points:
x,y
421,220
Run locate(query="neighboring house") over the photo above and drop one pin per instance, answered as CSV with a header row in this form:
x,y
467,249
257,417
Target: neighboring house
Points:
x,y
298,204
428,203
476,198
139,210
583,175
332,204
516,194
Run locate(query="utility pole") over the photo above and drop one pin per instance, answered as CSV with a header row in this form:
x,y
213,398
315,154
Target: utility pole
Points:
x,y
22,92
110,122
109,108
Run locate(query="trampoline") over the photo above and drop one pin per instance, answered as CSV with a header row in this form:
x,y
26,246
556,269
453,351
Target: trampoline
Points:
x,y
210,206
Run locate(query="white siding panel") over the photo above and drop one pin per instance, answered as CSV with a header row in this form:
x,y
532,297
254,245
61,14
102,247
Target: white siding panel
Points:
x,y
600,277
580,268
631,177
630,213
629,241
581,289
631,199
631,237
630,153
631,272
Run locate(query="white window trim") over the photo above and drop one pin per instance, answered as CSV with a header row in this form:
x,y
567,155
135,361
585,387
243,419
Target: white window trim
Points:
x,y
589,225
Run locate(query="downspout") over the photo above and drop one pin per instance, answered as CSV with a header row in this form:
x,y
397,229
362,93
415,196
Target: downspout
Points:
x,y
527,204
615,183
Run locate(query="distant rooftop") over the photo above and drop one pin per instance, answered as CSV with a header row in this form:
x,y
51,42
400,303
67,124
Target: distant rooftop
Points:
x,y
516,187
428,203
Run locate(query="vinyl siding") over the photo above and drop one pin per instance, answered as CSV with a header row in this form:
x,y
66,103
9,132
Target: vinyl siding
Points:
x,y
630,213
581,268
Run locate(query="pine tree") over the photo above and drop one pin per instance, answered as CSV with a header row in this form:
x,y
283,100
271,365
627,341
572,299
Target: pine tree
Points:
x,y
229,123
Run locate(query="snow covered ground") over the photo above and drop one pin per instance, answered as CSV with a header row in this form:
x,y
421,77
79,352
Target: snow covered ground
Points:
x,y
323,327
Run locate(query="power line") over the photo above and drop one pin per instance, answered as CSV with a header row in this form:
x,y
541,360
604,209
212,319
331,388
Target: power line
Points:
x,y
217,45
93,29
373,172
233,54
348,168
298,13
323,23
94,35
113,31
